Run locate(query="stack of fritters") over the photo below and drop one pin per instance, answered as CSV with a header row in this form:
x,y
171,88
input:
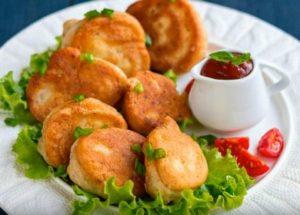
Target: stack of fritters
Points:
x,y
105,61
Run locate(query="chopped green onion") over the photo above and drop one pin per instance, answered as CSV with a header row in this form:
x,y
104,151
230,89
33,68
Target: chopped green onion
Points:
x,y
79,132
95,13
107,12
139,167
183,124
139,88
58,41
92,14
136,148
154,154
88,57
79,97
148,41
171,74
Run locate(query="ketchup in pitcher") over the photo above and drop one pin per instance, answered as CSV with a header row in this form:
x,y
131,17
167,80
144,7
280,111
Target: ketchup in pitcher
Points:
x,y
225,65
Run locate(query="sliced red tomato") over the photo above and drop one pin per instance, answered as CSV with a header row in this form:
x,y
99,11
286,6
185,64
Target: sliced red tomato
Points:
x,y
189,86
253,165
271,144
235,144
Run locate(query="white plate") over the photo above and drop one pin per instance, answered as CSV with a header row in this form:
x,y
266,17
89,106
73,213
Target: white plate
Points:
x,y
278,192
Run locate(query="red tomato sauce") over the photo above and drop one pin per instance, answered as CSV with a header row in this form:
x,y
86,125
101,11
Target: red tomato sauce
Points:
x,y
226,71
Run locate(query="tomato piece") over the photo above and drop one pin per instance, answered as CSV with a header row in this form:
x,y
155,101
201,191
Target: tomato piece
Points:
x,y
253,165
271,144
189,86
235,144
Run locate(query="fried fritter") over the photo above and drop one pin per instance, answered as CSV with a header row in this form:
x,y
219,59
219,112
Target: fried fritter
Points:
x,y
104,154
145,110
58,128
119,40
178,37
183,167
68,76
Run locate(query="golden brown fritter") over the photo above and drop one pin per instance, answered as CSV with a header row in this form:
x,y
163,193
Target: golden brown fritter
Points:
x,y
58,128
104,154
145,110
68,76
119,40
183,167
178,37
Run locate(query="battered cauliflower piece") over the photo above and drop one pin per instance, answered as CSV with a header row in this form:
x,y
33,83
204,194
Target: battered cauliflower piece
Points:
x,y
58,128
146,109
68,75
183,167
104,154
119,39
177,34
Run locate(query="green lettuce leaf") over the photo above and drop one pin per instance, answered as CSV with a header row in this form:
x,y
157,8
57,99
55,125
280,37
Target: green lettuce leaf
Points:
x,y
225,187
12,99
226,181
115,194
27,156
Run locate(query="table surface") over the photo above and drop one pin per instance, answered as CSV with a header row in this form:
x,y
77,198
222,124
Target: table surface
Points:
x,y
16,15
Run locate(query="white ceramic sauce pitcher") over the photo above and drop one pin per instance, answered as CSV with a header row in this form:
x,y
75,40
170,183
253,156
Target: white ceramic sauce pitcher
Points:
x,y
232,105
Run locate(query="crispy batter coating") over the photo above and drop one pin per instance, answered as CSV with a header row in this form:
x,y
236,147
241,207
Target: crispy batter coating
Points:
x,y
146,110
178,37
58,128
67,76
104,154
184,166
119,40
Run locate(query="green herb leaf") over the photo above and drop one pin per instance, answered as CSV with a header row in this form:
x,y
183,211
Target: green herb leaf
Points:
x,y
58,41
92,14
154,154
139,167
138,88
171,74
79,132
88,57
183,124
148,41
107,12
79,97
136,148
241,58
27,155
226,57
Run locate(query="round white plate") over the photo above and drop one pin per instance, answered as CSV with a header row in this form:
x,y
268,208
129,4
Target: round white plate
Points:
x,y
278,192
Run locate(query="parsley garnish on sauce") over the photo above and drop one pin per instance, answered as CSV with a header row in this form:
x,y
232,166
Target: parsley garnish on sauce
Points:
x,y
226,57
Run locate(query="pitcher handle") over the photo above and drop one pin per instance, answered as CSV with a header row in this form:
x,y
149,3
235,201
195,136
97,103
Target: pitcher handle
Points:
x,y
279,85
